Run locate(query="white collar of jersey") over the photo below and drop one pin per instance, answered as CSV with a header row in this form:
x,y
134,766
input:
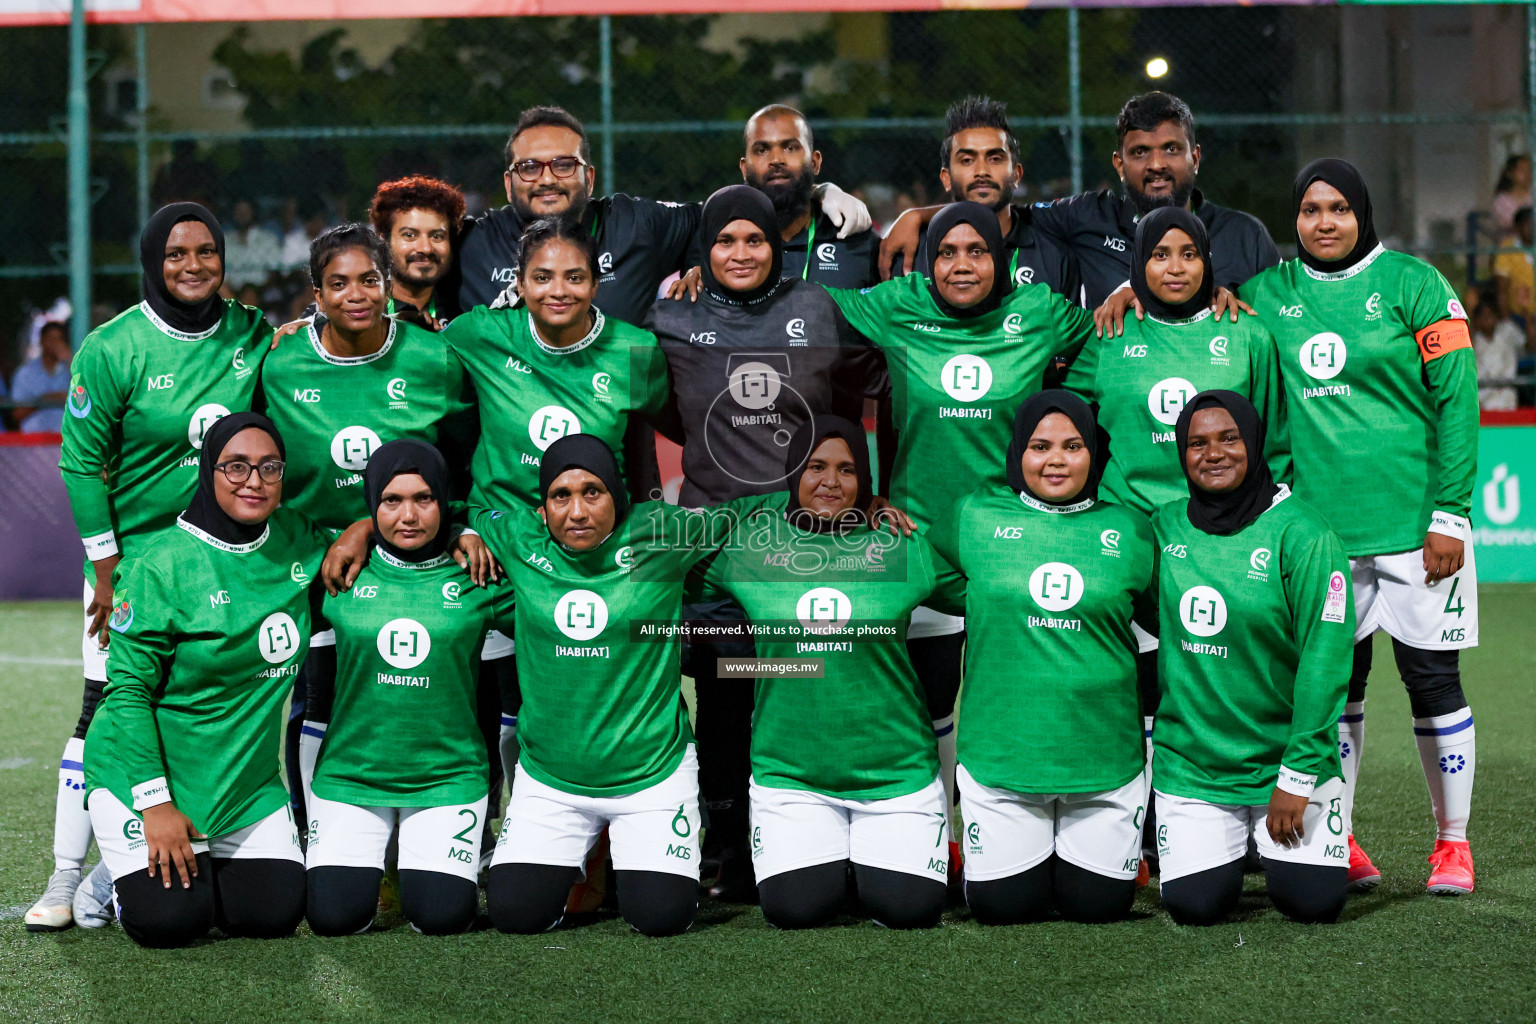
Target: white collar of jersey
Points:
x,y
170,331
554,350
212,541
1036,503
1282,491
1186,321
1344,275
389,340
400,563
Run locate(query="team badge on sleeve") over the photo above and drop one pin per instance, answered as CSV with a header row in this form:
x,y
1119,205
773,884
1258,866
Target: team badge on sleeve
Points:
x,y
1334,602
79,399
122,615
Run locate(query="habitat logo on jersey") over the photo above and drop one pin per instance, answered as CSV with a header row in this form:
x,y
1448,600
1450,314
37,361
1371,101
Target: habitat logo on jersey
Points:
x,y
1336,603
823,610
1013,323
1323,355
1110,539
601,382
352,447
403,643
277,638
1166,400
755,384
204,417
966,378
79,403
1218,349
395,389
1373,306
1203,611
122,615
1056,586
581,615
549,423
1258,565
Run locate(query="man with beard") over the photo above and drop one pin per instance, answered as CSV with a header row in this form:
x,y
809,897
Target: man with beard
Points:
x,y
1157,160
640,242
420,218
782,162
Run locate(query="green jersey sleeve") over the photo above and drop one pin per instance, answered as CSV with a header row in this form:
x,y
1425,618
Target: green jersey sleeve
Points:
x,y
96,404
143,619
1322,605
1264,372
1074,327
868,310
1450,367
948,595
1082,375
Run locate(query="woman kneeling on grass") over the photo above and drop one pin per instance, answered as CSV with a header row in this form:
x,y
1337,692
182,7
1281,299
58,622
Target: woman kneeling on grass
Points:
x,y
211,627
1257,624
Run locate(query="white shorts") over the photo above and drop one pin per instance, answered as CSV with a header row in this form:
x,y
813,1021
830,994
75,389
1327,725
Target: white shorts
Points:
x,y
795,828
656,829
497,645
445,839
1195,836
1144,641
92,654
1008,832
1390,594
120,837
927,623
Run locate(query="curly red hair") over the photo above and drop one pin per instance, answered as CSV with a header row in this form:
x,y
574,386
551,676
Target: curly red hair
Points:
x,y
417,192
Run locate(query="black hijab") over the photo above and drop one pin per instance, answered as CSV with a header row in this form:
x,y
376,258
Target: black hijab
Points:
x,y
1341,174
187,318
588,452
805,442
1224,514
407,456
985,223
204,511
1149,232
740,202
1034,409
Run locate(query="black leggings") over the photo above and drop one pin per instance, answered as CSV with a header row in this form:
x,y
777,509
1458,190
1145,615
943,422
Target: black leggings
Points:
x,y
723,732
255,899
810,897
92,697
314,690
1307,893
343,901
1432,678
1075,893
937,661
526,899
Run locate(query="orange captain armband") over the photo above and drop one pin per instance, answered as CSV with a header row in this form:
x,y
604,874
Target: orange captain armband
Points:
x,y
1441,337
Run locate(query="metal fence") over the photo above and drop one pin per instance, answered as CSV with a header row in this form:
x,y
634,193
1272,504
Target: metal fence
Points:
x,y
303,121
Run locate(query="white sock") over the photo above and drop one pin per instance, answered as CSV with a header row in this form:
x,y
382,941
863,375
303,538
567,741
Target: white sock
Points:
x,y
1351,746
1448,752
71,821
509,747
944,735
1147,721
310,737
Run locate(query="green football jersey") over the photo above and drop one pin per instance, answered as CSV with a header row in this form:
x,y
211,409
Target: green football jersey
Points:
x,y
955,383
1050,703
603,711
1142,380
862,730
1380,384
1257,630
334,412
532,394
208,639
141,396
403,731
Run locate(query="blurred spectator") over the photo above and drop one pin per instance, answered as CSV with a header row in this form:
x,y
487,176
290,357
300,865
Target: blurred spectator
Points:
x,y
44,381
1497,344
1515,278
1511,193
251,252
186,178
309,220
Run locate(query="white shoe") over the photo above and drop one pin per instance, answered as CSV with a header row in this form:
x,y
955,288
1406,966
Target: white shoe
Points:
x,y
93,900
54,911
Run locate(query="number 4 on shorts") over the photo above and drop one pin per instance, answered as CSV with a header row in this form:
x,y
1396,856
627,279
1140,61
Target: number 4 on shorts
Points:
x,y
1459,606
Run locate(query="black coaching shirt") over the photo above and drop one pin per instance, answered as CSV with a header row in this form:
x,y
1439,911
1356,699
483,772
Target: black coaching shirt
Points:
x,y
817,255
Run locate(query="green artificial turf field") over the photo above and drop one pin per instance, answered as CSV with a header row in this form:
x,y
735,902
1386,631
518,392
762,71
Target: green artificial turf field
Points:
x,y
1398,955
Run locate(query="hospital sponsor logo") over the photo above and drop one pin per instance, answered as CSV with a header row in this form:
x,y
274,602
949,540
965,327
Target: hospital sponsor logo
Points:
x,y
1166,400
1056,586
277,638
237,361
352,447
795,329
823,610
452,591
395,389
826,255
403,643
1110,539
581,615
297,574
204,417
1013,323
601,383
1219,348
1322,355
1203,611
1258,564
549,423
624,558
605,263
1024,275
133,831
966,378
1373,306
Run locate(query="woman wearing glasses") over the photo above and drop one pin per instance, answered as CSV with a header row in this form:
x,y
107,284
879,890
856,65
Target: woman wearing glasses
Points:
x,y
183,784
146,387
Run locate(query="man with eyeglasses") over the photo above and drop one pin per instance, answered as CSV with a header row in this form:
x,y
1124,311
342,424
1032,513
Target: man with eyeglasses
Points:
x,y
640,242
